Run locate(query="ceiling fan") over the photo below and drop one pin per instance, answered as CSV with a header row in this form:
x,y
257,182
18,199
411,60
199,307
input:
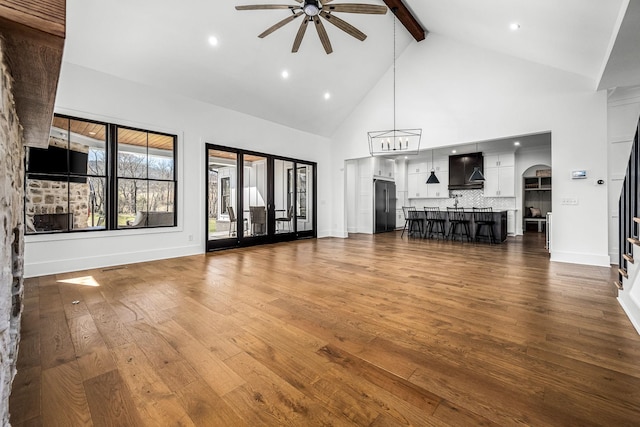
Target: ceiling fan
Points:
x,y
312,11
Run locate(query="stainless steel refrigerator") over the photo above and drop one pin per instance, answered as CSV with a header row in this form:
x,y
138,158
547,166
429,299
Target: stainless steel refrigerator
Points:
x,y
384,202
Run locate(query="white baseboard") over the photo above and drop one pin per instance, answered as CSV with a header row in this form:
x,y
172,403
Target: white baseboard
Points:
x,y
102,261
631,309
581,258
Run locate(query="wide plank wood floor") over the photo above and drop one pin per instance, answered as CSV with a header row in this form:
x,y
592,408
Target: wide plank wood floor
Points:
x,y
370,330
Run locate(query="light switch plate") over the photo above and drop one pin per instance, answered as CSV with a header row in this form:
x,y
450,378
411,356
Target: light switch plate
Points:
x,y
569,201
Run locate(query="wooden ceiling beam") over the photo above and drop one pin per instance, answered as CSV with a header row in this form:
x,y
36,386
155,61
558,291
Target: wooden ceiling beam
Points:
x,y
405,16
33,33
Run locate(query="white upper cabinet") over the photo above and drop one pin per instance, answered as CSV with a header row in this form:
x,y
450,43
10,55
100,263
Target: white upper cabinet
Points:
x,y
383,167
499,174
419,172
499,160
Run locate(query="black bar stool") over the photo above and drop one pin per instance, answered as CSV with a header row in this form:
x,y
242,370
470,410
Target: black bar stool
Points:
x,y
411,221
458,220
483,217
435,219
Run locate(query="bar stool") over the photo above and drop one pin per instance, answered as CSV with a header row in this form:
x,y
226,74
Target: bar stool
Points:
x,y
483,217
457,219
411,220
435,218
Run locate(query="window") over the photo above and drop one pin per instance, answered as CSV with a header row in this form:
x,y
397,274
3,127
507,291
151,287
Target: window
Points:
x,y
73,185
145,178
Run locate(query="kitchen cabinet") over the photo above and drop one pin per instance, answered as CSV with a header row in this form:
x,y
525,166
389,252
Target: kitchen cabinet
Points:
x,y
383,167
499,160
499,174
418,173
511,222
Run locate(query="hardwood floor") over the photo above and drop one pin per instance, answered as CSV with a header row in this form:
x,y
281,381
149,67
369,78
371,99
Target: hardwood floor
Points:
x,y
370,330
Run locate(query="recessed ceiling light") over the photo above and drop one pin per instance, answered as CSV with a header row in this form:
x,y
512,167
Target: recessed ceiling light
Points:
x,y
406,157
285,74
514,26
327,95
213,41
517,143
454,151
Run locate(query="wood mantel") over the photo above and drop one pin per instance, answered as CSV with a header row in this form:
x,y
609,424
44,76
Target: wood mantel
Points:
x,y
33,33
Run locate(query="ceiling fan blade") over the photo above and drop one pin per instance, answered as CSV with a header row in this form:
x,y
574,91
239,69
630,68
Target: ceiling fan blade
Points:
x,y
344,26
266,6
280,24
357,8
300,35
322,33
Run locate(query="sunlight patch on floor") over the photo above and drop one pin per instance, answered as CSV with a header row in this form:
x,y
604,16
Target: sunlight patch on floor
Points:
x,y
84,281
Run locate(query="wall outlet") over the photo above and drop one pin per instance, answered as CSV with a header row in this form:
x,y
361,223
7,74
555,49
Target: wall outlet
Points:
x,y
191,237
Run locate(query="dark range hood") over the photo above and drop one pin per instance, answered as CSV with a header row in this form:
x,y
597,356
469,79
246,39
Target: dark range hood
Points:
x,y
460,170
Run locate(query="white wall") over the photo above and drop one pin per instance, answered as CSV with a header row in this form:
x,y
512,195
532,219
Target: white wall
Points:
x,y
94,95
459,93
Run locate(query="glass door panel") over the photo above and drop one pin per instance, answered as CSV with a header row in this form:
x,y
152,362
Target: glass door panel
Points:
x,y
305,188
222,212
255,197
284,196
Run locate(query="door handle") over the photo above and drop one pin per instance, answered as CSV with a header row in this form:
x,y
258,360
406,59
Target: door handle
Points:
x,y
387,207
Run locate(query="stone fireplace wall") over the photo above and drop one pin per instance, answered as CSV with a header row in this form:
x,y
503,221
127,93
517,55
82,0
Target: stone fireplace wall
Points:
x,y
11,236
54,197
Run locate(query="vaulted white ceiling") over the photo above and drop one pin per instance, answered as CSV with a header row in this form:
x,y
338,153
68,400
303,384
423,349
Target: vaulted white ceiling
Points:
x,y
164,43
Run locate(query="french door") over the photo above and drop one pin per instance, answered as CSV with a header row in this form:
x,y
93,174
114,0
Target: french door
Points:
x,y
255,198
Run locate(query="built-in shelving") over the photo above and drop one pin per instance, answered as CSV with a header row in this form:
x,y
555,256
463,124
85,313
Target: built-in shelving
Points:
x,y
537,183
537,194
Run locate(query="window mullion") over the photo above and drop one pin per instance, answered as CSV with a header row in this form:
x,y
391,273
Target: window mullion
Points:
x,y
112,177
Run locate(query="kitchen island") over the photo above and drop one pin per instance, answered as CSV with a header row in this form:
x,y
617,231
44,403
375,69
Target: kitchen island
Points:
x,y
499,227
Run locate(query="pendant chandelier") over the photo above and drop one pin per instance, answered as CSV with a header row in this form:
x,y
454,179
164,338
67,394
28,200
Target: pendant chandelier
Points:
x,y
395,141
433,179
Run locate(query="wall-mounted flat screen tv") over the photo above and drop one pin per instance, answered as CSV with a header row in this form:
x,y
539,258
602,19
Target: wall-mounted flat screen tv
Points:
x,y
46,163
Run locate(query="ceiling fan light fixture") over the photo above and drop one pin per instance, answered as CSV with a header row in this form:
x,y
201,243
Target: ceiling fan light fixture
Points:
x,y
311,8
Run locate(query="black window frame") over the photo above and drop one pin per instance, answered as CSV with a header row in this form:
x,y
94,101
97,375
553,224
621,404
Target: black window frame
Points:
x,y
110,180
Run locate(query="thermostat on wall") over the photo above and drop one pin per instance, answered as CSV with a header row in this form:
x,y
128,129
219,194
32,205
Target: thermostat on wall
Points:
x,y
579,174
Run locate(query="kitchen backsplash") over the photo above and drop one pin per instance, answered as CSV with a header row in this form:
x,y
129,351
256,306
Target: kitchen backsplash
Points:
x,y
466,199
